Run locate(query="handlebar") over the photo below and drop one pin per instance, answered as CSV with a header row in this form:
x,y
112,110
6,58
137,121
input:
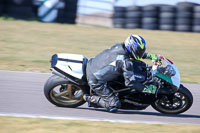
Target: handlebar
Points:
x,y
157,62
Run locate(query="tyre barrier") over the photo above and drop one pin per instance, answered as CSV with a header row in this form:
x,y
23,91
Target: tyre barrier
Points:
x,y
19,2
133,17
20,12
184,17
19,9
119,17
62,11
47,12
167,17
1,9
150,15
196,19
68,13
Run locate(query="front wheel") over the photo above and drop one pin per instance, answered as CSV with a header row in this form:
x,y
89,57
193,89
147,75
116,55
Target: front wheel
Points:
x,y
181,102
63,93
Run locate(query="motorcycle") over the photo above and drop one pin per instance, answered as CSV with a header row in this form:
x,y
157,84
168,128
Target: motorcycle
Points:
x,y
68,84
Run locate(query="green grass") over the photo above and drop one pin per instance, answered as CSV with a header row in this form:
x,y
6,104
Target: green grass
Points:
x,y
28,45
36,125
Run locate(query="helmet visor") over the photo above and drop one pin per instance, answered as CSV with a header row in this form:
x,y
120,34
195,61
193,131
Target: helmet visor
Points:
x,y
138,52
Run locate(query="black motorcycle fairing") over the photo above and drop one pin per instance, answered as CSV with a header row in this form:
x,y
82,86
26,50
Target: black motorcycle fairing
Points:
x,y
135,100
130,98
131,105
167,88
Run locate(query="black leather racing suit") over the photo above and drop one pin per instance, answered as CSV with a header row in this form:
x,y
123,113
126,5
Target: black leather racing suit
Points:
x,y
107,66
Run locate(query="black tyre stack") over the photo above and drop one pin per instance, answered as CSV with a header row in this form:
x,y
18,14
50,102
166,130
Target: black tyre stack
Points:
x,y
184,16
150,17
119,17
19,9
2,3
68,14
133,17
167,17
196,19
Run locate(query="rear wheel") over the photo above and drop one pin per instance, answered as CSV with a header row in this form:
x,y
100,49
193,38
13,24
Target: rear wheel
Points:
x,y
63,93
181,102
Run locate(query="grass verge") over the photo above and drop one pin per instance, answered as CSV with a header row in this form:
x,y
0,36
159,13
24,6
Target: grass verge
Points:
x,y
40,125
28,45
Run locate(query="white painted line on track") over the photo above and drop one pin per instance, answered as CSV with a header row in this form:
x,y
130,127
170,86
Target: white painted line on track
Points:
x,y
23,72
84,118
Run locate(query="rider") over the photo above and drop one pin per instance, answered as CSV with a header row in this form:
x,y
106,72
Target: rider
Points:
x,y
111,63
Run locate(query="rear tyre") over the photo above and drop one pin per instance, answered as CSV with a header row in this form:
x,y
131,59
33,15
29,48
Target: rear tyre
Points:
x,y
182,101
63,93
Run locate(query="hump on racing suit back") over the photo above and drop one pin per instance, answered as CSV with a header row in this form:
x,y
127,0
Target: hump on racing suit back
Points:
x,y
108,65
103,67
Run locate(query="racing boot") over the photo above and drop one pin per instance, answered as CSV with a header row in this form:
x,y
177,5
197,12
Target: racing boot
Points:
x,y
112,103
96,101
91,100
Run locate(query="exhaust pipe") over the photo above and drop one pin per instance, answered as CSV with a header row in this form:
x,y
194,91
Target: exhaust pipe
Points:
x,y
61,75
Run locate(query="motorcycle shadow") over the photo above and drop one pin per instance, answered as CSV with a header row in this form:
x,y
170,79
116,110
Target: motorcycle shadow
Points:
x,y
138,112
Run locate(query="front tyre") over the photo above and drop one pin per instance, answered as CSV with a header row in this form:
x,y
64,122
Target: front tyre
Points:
x,y
181,102
63,93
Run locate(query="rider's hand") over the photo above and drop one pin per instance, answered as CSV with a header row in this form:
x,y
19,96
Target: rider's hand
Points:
x,y
153,57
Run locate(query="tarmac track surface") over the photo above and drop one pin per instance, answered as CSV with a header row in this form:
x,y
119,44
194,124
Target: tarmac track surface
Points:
x,y
21,93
